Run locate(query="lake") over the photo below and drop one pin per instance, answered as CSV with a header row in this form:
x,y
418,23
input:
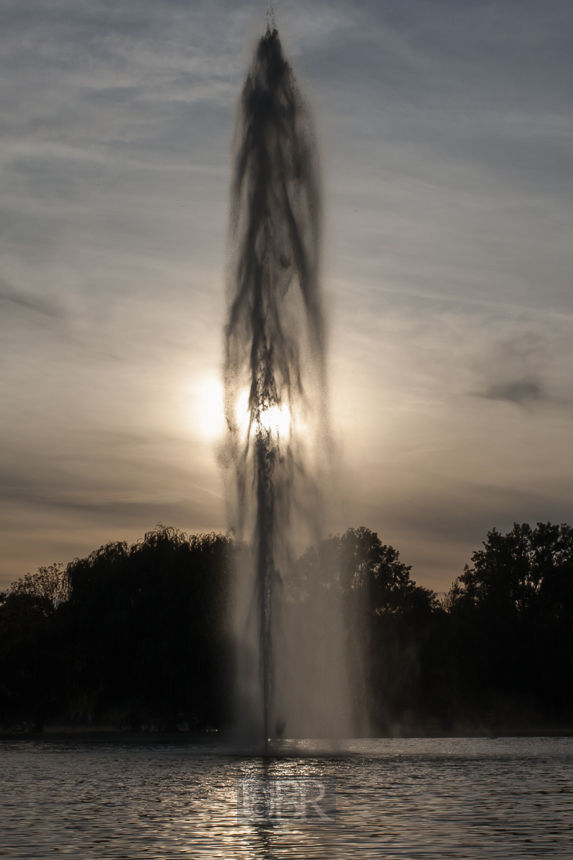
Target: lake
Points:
x,y
414,798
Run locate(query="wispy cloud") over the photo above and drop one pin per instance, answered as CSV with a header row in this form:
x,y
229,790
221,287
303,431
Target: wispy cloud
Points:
x,y
519,391
29,301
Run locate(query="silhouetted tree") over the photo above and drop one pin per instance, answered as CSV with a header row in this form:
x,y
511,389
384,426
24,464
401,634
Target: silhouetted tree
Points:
x,y
49,582
149,627
27,655
512,612
30,652
393,625
126,633
141,632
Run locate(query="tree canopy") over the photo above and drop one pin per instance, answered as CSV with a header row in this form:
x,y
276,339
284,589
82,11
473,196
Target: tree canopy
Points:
x,y
513,615
141,634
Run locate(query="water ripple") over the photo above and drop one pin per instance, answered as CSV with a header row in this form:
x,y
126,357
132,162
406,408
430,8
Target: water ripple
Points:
x,y
463,798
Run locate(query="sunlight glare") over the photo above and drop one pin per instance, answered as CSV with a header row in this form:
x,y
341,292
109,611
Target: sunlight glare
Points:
x,y
206,408
276,419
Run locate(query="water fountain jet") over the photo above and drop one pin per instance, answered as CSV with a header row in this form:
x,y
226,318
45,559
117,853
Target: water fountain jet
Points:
x,y
275,349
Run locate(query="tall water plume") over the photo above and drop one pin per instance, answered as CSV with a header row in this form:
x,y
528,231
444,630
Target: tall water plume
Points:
x,y
291,669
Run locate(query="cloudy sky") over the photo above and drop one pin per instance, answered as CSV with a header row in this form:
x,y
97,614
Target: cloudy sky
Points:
x,y
445,129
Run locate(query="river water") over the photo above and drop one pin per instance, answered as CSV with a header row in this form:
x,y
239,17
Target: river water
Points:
x,y
414,798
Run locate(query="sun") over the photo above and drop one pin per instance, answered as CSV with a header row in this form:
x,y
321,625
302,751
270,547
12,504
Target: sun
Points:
x,y
275,419
205,412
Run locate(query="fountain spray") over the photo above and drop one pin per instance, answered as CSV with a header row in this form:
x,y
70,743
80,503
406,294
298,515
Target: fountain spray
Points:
x,y
274,374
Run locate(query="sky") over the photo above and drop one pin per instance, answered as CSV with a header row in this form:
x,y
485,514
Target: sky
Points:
x,y
445,135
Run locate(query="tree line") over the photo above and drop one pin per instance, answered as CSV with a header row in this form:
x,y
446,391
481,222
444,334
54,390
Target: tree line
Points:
x,y
140,636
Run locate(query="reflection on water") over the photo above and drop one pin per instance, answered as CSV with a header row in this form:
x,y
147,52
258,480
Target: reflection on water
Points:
x,y
510,798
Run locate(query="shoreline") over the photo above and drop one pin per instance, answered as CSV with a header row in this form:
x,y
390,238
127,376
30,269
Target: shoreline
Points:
x,y
106,736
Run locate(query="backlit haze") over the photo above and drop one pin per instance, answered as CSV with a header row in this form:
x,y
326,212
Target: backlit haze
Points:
x,y
445,134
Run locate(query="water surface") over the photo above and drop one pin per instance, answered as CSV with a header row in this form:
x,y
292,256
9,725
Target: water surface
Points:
x,y
430,798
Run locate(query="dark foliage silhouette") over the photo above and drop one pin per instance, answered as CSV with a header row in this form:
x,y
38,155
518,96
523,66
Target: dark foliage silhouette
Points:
x,y
512,619
141,635
149,623
393,626
138,636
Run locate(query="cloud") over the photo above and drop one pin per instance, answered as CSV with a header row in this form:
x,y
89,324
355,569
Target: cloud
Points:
x,y
29,301
520,391
529,366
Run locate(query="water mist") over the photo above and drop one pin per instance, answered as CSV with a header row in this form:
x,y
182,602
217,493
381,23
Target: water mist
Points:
x,y
292,675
